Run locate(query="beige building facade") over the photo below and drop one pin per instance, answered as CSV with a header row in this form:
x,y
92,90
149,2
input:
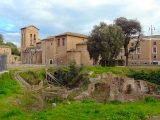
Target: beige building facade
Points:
x,y
7,51
30,49
147,53
72,46
59,49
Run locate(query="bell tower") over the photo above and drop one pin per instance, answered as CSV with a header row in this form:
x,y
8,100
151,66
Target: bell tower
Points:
x,y
29,38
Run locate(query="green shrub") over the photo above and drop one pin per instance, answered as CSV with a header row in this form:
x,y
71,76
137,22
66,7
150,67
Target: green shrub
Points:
x,y
87,101
33,77
115,102
70,77
14,112
120,62
109,63
152,76
149,99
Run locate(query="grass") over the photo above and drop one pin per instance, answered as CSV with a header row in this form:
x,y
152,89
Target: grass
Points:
x,y
88,110
18,104
33,77
8,85
117,70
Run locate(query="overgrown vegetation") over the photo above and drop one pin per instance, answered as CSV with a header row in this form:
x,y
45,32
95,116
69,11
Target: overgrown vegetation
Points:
x,y
8,85
71,76
152,76
16,103
33,77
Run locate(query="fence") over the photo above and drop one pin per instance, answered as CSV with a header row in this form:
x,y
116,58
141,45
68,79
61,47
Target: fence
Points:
x,y
3,62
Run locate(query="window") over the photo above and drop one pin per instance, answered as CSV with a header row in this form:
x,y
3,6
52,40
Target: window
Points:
x,y
138,56
50,61
58,42
154,43
132,57
31,39
154,50
34,37
121,57
138,50
155,63
132,52
132,44
24,36
22,40
63,41
154,57
51,45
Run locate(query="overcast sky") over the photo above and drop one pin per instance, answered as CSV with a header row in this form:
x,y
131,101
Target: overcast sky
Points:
x,y
53,17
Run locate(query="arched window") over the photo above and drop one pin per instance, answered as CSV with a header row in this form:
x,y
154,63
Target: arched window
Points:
x,y
51,46
50,61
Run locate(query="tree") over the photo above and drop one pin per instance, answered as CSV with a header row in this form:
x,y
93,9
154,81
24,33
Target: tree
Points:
x,y
1,39
14,48
104,42
130,27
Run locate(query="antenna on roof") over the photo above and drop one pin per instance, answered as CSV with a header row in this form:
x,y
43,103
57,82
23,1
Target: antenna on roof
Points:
x,y
151,29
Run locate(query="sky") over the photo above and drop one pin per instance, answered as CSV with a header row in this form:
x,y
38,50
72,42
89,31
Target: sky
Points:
x,y
54,17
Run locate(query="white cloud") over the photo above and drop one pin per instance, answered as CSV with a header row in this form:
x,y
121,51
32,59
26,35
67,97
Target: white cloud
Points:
x,y
56,16
12,34
17,44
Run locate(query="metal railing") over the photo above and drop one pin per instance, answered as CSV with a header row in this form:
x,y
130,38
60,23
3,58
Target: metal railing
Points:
x,y
3,62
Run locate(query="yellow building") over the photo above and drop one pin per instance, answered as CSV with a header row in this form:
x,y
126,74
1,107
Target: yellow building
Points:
x,y
30,50
147,53
49,50
59,49
7,51
72,46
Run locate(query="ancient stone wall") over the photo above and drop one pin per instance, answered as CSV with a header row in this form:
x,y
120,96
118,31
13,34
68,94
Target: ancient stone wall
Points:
x,y
120,88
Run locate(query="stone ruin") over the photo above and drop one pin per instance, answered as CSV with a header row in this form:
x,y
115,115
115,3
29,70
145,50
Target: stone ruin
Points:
x,y
50,93
120,88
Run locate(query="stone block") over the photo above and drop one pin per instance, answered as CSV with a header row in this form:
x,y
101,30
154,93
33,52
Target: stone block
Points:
x,y
104,76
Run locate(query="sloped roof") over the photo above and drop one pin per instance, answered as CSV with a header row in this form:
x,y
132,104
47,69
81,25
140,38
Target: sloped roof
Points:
x,y
4,46
72,34
29,26
48,38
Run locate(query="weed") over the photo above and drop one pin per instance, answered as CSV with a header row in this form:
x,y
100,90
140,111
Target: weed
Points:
x,y
87,101
14,112
149,99
115,102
